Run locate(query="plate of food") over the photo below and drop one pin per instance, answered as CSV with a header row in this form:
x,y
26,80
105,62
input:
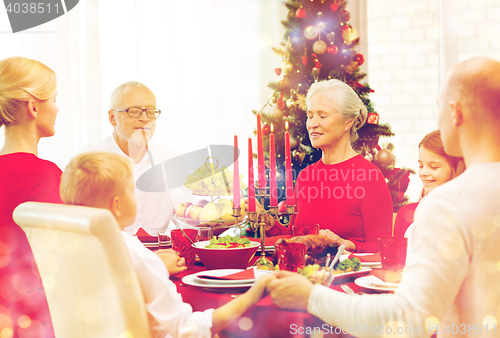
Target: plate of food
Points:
x,y
194,280
374,283
227,276
323,275
366,259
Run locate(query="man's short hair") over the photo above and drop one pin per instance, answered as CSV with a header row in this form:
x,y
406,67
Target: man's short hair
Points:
x,y
92,179
114,102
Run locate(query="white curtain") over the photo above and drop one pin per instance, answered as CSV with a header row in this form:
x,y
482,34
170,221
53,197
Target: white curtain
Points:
x,y
207,61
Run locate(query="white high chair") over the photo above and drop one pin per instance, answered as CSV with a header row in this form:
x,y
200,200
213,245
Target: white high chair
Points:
x,y
91,287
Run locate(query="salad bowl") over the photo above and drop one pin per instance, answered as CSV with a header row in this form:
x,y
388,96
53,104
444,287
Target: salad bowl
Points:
x,y
225,257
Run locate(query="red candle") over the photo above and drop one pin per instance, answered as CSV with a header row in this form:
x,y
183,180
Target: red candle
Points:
x,y
236,175
273,190
288,168
260,155
251,183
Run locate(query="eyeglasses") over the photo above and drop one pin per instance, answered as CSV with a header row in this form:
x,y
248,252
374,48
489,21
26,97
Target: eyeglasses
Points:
x,y
152,113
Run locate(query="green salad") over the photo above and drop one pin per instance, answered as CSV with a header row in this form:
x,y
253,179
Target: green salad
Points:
x,y
228,242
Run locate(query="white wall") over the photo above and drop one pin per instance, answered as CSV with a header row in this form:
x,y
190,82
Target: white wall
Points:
x,y
405,62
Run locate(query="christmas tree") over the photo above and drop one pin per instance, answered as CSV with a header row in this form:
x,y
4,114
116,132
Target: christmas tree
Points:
x,y
319,44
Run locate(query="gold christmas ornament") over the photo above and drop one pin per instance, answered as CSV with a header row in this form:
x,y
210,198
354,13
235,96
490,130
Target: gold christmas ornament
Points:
x,y
350,34
290,103
311,32
384,156
299,156
287,67
319,47
276,112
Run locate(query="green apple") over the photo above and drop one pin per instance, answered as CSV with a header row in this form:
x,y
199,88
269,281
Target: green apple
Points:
x,y
180,211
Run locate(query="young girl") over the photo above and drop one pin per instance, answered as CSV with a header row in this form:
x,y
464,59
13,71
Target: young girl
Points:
x,y
435,167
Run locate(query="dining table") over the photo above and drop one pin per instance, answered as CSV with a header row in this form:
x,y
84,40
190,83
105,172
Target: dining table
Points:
x,y
264,319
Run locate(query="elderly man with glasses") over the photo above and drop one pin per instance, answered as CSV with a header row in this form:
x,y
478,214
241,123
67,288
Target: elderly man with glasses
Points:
x,y
133,113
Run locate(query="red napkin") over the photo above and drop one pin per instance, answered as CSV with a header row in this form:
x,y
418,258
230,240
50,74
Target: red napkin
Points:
x,y
270,240
145,237
387,275
246,274
367,258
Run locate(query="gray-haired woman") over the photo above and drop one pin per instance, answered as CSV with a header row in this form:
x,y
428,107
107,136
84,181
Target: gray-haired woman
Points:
x,y
343,192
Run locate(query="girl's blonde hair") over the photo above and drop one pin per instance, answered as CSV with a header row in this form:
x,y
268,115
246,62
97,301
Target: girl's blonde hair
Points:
x,y
21,80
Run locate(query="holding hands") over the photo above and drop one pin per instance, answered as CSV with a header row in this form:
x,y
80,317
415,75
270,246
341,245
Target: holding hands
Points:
x,y
174,263
290,290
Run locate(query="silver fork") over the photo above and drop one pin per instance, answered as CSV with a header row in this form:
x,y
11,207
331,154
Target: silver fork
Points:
x,y
349,291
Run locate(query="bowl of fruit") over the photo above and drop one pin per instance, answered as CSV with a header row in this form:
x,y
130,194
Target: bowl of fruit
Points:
x,y
217,214
227,252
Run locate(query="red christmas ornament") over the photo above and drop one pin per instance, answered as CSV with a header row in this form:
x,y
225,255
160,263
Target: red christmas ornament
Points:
x,y
301,13
332,49
334,7
266,129
277,71
305,60
345,27
346,16
280,102
373,118
359,58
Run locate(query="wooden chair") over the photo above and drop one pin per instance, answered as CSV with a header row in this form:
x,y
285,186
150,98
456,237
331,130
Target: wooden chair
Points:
x,y
91,286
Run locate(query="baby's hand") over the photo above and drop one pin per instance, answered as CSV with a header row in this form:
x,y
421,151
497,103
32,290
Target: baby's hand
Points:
x,y
174,263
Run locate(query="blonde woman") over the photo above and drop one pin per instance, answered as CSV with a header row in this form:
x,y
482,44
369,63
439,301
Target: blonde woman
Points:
x,y
28,112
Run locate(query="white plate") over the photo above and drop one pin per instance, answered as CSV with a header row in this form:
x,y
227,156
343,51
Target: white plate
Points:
x,y
375,283
219,273
353,273
194,281
367,264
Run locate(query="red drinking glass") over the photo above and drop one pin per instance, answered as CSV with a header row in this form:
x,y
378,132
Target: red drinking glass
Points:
x,y
291,256
393,252
183,246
